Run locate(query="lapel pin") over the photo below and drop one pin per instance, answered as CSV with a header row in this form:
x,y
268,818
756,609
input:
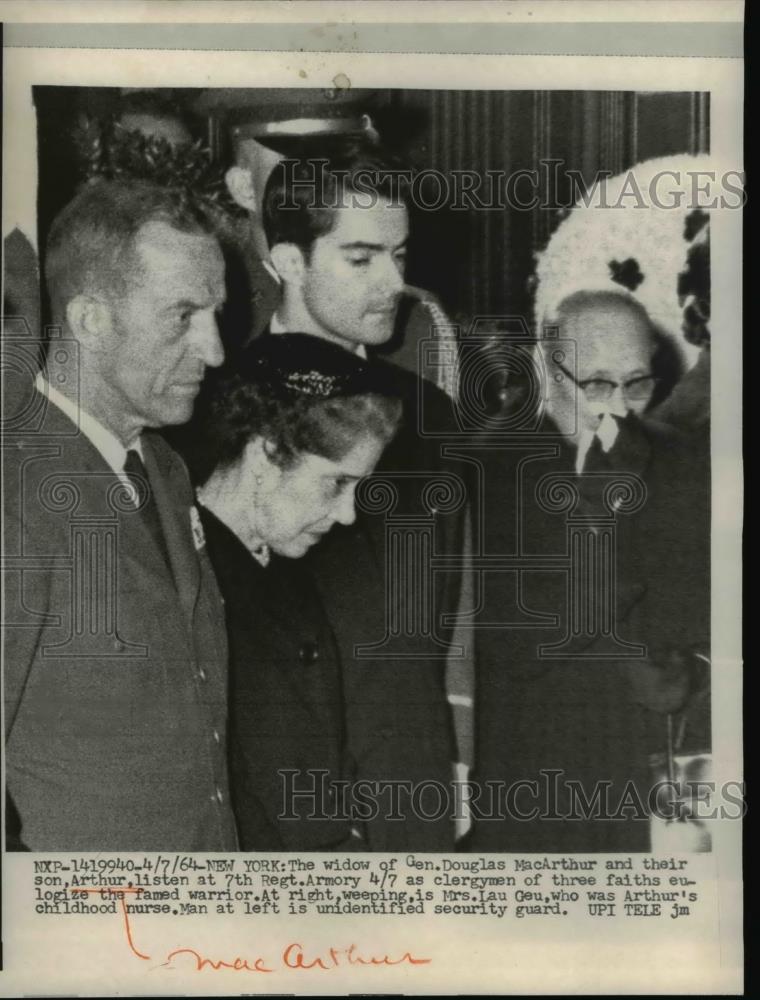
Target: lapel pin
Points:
x,y
199,538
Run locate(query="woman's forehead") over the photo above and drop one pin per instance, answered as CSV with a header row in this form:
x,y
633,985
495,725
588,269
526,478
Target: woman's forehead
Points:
x,y
356,463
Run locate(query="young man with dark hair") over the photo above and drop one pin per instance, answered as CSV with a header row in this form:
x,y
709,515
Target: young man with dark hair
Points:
x,y
338,234
338,231
283,166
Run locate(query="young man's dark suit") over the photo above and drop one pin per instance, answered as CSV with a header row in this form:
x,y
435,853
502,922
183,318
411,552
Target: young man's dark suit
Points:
x,y
397,718
107,751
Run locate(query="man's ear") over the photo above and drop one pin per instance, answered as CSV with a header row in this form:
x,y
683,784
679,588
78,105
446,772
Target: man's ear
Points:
x,y
239,183
89,319
288,261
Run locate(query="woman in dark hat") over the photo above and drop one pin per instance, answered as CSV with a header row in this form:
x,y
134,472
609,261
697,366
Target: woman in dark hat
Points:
x,y
293,430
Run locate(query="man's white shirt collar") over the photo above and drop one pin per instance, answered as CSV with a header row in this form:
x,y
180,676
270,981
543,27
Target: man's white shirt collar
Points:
x,y
277,326
113,451
607,432
271,269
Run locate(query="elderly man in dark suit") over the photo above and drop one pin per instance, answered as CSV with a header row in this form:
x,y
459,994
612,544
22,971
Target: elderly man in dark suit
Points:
x,y
595,619
115,650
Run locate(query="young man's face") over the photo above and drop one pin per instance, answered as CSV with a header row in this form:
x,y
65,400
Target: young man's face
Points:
x,y
354,275
163,332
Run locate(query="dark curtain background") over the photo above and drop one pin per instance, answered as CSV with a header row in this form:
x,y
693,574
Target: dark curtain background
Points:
x,y
480,262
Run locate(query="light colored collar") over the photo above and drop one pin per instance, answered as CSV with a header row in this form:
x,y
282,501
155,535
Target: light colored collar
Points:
x,y
277,326
607,432
113,451
271,270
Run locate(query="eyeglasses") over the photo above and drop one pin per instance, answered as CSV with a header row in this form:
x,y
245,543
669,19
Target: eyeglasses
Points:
x,y
600,390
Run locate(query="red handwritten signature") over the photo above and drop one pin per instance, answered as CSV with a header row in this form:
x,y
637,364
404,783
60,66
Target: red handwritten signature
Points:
x,y
294,955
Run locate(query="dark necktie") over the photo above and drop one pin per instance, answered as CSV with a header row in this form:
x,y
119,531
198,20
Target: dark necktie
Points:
x,y
597,459
148,510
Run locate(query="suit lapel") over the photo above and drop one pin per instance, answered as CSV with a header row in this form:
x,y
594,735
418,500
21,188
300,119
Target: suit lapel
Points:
x,y
630,454
175,522
137,543
546,535
80,460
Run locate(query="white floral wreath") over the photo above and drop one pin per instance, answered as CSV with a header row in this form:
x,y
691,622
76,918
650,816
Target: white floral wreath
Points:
x,y
625,227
